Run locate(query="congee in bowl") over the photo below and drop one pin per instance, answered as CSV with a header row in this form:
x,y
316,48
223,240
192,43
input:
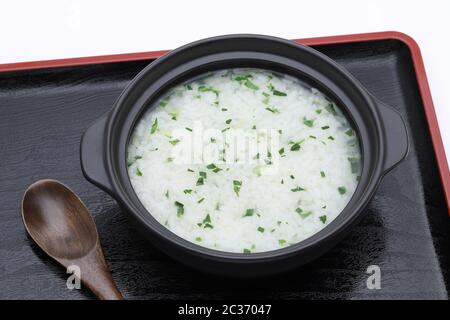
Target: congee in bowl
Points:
x,y
244,160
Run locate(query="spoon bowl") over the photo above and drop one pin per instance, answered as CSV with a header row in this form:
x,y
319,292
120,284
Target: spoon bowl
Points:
x,y
59,222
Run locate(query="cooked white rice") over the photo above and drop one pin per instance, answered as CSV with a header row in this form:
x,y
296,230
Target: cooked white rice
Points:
x,y
251,200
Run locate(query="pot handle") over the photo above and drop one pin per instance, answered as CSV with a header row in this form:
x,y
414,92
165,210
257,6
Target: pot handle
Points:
x,y
396,135
92,154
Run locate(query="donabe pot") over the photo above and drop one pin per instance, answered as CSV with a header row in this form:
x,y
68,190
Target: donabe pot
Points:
x,y
381,130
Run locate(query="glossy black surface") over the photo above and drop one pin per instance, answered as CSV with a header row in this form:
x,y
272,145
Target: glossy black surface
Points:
x,y
405,229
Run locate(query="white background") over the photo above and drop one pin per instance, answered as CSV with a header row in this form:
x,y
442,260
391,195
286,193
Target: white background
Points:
x,y
45,29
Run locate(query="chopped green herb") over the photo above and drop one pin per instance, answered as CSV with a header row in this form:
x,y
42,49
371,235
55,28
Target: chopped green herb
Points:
x,y
189,87
282,242
281,152
167,194
297,189
313,137
164,101
354,164
154,126
325,127
202,174
138,172
273,110
213,167
203,89
198,238
261,229
318,111
224,109
302,213
190,170
323,218
330,108
349,132
200,181
206,223
237,186
188,129
295,147
226,129
228,121
173,115
208,89
180,208
250,85
279,93
170,159
243,77
322,174
254,127
246,251
174,141
342,190
200,200
249,212
308,122
292,176
331,138
187,191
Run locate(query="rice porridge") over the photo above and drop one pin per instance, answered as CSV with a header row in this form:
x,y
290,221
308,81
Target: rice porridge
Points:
x,y
244,160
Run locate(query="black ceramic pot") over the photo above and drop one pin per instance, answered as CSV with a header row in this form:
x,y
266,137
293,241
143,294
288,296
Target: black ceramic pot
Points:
x,y
381,130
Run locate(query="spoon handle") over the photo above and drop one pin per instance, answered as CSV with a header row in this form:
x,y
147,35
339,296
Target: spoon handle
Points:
x,y
95,274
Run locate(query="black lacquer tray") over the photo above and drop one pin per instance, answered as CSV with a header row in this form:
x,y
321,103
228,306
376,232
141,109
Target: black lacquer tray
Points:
x,y
44,109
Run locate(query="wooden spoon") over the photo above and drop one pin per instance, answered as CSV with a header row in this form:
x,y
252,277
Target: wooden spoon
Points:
x,y
59,222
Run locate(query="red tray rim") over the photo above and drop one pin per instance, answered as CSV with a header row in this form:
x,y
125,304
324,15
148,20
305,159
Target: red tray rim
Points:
x,y
416,55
